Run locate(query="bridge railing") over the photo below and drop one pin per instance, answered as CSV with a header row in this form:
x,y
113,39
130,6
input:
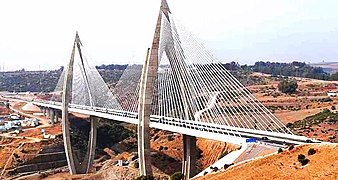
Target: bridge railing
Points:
x,y
195,125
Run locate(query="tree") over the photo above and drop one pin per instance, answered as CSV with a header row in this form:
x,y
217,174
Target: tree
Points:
x,y
334,76
148,177
287,86
302,159
311,151
176,176
333,108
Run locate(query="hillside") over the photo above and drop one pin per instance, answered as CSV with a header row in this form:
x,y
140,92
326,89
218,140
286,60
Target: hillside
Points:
x,y
46,81
322,165
330,67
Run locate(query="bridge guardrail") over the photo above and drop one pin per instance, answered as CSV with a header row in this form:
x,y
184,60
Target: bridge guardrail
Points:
x,y
202,126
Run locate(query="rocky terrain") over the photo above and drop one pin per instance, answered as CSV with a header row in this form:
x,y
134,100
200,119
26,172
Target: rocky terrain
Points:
x,y
285,165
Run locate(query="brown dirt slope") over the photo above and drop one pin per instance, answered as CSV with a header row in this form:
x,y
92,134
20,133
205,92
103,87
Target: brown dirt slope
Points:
x,y
213,150
322,165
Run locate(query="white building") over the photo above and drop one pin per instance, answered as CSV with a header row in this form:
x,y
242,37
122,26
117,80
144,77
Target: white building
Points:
x,y
332,94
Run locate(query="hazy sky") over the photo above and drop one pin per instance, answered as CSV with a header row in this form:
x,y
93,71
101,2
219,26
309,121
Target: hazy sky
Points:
x,y
39,33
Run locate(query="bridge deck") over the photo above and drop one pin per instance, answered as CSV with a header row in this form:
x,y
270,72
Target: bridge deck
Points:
x,y
199,129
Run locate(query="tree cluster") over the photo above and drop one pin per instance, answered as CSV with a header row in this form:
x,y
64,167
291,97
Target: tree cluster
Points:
x,y
288,86
297,69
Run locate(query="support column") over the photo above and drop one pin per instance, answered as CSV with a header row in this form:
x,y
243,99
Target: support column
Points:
x,y
56,116
189,157
47,113
52,116
43,109
91,143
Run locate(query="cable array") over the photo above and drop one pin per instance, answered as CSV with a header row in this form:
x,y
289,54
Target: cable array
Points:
x,y
193,85
127,88
88,87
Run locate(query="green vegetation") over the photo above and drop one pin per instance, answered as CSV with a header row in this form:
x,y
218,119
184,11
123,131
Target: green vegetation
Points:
x,y
242,73
148,177
291,147
112,67
287,86
33,81
108,134
311,151
46,81
297,69
334,77
170,138
280,150
325,116
214,169
302,159
176,176
226,166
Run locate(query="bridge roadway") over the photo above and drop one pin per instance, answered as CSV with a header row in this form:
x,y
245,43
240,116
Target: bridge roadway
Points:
x,y
217,132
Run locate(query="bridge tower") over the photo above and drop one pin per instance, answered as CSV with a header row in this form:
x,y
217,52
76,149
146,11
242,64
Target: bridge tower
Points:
x,y
148,78
76,167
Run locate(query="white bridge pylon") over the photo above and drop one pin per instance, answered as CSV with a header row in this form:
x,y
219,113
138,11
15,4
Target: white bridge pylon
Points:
x,y
81,84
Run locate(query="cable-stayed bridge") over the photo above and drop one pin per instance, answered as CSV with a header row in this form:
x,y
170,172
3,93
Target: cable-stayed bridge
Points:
x,y
180,87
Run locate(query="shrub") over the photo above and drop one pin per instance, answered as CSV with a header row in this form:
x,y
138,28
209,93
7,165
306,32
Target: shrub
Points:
x,y
161,148
301,156
289,125
148,177
226,166
280,150
176,176
302,159
287,86
214,169
291,147
311,151
170,138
